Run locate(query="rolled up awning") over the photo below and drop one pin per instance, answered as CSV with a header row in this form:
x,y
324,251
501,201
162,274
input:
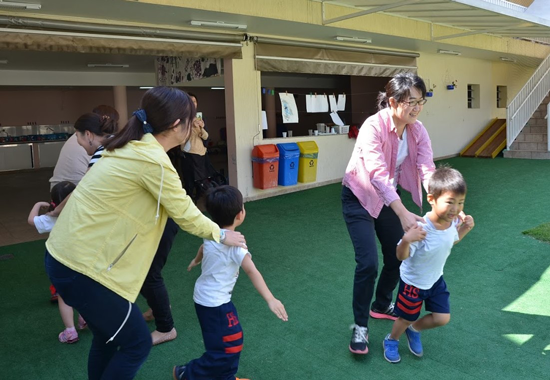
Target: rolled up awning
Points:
x,y
322,60
40,40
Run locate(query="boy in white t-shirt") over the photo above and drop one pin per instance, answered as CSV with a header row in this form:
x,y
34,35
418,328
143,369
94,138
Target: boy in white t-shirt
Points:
x,y
221,329
424,249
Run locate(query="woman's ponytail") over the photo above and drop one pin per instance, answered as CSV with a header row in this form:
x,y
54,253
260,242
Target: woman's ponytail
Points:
x,y
132,131
382,101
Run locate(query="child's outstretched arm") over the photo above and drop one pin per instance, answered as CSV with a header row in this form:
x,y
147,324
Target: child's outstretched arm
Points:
x,y
467,225
36,211
197,260
415,233
258,281
57,210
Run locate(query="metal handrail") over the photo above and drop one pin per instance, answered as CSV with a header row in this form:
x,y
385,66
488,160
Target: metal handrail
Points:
x,y
528,99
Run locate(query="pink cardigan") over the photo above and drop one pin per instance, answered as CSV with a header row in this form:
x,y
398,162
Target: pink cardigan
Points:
x,y
373,161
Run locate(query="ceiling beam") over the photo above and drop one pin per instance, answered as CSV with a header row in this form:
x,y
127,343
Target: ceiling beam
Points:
x,y
481,31
367,11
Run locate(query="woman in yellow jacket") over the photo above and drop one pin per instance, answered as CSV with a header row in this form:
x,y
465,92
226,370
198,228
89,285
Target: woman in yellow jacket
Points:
x,y
101,248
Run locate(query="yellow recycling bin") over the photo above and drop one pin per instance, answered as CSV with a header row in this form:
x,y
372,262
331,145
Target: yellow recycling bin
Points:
x,y
307,168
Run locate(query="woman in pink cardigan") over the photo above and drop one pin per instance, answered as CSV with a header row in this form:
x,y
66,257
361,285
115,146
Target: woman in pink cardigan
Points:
x,y
393,148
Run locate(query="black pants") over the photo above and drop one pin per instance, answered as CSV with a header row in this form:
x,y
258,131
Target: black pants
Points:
x,y
121,340
154,289
362,229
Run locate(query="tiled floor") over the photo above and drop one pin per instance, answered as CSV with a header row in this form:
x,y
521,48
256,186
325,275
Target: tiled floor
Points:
x,y
19,191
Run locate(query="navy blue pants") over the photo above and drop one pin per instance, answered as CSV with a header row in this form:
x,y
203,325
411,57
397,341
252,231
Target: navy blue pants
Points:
x,y
154,289
363,230
410,298
105,312
223,341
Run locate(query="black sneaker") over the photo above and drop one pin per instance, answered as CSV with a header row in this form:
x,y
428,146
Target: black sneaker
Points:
x,y
386,314
179,372
359,340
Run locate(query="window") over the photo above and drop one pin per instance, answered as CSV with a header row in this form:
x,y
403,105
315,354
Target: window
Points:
x,y
502,96
473,96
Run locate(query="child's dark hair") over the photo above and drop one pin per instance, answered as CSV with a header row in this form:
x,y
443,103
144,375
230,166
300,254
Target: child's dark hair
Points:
x,y
100,125
60,192
399,88
223,204
107,112
446,179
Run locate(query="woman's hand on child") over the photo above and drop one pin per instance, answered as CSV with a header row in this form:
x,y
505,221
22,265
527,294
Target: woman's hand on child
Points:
x,y
278,309
235,238
408,220
415,233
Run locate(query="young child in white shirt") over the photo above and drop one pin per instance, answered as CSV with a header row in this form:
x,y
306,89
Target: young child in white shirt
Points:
x,y
424,249
221,329
44,224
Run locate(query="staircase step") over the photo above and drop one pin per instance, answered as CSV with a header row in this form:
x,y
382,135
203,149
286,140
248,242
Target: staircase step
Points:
x,y
532,137
534,129
531,146
529,154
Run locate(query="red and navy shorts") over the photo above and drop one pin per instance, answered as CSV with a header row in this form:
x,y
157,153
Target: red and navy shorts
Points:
x,y
410,298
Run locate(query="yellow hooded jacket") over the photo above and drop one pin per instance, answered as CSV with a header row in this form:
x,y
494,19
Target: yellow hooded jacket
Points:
x,y
111,225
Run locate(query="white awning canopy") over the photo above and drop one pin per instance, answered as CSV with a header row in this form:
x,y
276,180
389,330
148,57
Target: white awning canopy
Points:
x,y
497,17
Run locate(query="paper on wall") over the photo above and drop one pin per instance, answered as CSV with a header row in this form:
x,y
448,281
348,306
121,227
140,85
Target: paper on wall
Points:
x,y
310,104
336,118
264,120
321,103
332,102
288,107
341,102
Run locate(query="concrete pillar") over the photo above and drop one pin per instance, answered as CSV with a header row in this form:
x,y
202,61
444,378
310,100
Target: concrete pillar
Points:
x,y
121,104
243,117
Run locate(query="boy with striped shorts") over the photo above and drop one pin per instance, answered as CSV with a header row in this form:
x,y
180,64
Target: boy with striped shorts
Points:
x,y
221,330
424,249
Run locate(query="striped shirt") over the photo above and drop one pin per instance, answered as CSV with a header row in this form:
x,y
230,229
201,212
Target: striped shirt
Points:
x,y
373,163
97,155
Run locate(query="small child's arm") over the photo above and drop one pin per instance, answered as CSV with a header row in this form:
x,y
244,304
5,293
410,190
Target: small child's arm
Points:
x,y
415,233
258,281
197,260
467,225
36,211
57,210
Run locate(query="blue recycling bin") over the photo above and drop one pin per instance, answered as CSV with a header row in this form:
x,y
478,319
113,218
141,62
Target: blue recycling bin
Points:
x,y
289,155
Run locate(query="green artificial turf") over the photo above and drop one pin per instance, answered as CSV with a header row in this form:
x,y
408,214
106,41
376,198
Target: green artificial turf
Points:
x,y
541,232
498,279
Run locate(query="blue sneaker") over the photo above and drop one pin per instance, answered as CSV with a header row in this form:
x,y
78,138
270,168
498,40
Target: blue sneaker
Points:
x,y
415,344
391,350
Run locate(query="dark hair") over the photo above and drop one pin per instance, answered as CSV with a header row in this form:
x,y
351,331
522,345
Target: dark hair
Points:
x,y
95,123
223,203
446,179
162,106
60,192
191,95
399,88
106,111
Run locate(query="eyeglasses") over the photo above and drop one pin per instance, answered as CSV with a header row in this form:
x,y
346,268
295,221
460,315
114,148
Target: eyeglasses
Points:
x,y
414,103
